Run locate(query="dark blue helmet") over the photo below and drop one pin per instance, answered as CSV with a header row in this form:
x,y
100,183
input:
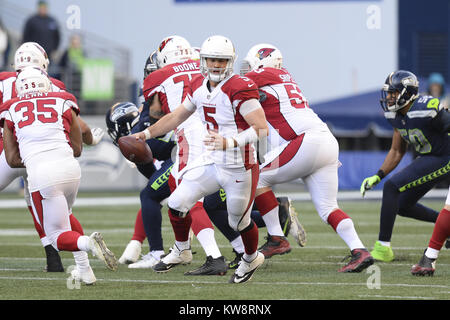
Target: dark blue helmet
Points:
x,y
403,82
120,119
151,64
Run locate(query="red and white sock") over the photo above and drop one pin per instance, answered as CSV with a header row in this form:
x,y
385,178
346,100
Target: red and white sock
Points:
x,y
250,239
267,205
139,230
68,241
440,233
343,225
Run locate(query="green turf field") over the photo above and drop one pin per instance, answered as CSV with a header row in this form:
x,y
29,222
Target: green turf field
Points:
x,y
305,273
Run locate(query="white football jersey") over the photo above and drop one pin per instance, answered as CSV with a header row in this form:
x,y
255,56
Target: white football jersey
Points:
x,y
41,123
219,110
287,111
171,85
8,92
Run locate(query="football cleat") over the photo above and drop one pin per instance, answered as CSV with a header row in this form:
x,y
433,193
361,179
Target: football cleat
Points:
x,y
147,262
86,276
275,245
131,253
296,229
237,259
425,267
101,251
382,253
246,269
54,263
360,260
173,258
447,243
211,267
283,214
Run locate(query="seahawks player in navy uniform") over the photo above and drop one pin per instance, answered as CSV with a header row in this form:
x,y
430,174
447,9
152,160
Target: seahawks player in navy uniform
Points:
x,y
123,119
422,122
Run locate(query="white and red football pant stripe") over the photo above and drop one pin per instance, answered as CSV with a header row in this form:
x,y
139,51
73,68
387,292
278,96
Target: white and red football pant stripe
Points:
x,y
313,157
51,211
239,185
7,176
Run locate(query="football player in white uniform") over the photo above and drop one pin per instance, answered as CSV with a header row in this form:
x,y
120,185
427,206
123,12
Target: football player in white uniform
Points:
x,y
165,89
228,105
300,146
32,54
42,134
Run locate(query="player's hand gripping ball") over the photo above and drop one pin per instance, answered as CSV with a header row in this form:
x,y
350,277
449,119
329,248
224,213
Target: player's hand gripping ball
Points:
x,y
136,151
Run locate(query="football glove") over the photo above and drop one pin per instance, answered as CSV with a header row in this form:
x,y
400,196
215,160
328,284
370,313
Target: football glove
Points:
x,y
369,183
97,135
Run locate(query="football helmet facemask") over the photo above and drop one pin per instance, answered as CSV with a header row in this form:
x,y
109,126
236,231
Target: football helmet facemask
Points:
x,y
218,47
30,54
403,82
173,49
262,55
120,119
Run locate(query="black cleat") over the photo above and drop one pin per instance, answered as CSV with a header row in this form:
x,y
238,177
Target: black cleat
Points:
x,y
425,267
283,214
447,243
235,263
275,245
212,267
54,263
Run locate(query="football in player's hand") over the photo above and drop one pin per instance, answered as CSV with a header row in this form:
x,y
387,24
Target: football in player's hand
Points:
x,y
136,151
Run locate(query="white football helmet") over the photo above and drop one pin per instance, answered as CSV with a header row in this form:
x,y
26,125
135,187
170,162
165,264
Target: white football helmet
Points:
x,y
218,47
262,55
30,54
32,80
173,49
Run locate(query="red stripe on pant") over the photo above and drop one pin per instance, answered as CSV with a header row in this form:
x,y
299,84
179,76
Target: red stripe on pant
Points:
x,y
37,198
287,154
37,226
250,233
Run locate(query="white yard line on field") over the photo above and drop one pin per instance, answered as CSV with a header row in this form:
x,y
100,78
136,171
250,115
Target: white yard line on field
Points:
x,y
290,283
297,196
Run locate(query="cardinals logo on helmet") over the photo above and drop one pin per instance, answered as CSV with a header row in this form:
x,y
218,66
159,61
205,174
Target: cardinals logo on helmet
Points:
x,y
264,53
163,44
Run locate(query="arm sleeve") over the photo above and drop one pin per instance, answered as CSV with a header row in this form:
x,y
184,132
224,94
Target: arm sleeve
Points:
x,y
188,104
249,106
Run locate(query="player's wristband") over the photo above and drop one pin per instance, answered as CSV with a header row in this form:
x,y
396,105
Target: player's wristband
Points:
x,y
147,134
247,136
229,143
381,174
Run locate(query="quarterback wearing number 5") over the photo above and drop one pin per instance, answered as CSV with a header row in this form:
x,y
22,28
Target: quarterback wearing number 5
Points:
x,y
228,105
422,122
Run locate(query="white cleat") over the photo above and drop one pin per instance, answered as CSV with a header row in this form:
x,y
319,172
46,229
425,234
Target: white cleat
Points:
x,y
86,276
246,269
131,253
101,251
147,262
297,230
173,258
